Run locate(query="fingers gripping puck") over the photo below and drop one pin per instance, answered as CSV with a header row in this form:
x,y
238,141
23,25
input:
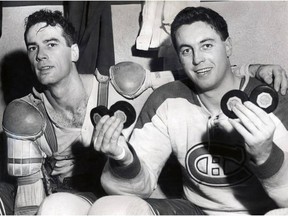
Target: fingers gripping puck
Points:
x,y
265,97
121,109
229,99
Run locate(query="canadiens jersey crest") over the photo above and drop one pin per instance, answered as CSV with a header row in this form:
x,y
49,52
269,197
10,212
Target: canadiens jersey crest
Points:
x,y
217,165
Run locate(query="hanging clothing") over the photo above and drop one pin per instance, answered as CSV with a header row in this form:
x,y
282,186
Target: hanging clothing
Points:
x,y
154,33
157,17
93,23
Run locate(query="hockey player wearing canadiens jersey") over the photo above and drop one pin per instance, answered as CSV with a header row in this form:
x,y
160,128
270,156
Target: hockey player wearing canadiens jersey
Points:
x,y
228,165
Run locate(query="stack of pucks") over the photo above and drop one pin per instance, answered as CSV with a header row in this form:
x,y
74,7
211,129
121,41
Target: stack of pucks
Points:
x,y
229,100
265,97
122,109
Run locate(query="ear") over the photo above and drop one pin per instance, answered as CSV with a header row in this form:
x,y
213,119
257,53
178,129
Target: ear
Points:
x,y
228,46
74,52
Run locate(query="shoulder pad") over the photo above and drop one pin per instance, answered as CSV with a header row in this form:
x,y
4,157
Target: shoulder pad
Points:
x,y
22,120
128,79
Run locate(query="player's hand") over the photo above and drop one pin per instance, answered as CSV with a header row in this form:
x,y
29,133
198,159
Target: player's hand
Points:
x,y
273,74
257,129
108,140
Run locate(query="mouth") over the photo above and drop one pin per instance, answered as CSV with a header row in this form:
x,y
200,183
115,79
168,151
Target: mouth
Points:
x,y
203,71
43,68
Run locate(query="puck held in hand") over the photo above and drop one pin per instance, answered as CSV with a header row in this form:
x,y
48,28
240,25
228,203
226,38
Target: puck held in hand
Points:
x,y
121,108
265,97
229,100
97,112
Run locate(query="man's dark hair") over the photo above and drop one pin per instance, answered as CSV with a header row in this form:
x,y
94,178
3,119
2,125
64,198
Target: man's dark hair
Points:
x,y
51,19
190,15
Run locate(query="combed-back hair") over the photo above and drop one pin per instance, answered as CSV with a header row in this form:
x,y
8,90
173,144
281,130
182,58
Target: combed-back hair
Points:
x,y
51,18
190,15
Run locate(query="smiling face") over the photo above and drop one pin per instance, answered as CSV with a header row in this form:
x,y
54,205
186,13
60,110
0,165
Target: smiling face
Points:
x,y
51,58
203,55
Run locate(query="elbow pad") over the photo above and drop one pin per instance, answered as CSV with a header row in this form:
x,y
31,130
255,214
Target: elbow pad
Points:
x,y
23,124
129,79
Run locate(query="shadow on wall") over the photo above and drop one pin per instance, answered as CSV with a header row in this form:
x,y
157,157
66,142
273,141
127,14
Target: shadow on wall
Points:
x,y
17,80
16,75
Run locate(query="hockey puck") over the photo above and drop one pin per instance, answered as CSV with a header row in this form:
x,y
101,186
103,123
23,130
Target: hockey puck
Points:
x,y
96,114
265,97
121,108
229,100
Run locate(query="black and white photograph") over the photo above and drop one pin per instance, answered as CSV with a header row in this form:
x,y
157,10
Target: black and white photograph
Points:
x,y
146,107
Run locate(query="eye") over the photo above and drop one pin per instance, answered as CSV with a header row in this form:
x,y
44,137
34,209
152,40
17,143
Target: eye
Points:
x,y
186,51
207,46
52,44
31,48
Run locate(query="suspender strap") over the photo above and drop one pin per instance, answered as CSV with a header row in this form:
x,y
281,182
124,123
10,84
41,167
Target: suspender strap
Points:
x,y
102,95
49,132
103,88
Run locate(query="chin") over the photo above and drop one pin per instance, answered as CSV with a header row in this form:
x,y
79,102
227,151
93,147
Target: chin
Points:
x,y
205,87
45,81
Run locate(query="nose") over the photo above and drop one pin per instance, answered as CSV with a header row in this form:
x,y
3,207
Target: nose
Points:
x,y
41,54
198,57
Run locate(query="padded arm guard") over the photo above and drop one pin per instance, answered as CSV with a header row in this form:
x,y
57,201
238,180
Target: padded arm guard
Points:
x,y
23,123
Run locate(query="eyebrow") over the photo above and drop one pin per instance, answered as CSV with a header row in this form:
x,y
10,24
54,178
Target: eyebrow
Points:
x,y
201,42
45,41
51,39
207,39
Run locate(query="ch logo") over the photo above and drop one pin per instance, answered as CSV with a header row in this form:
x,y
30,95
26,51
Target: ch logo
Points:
x,y
217,165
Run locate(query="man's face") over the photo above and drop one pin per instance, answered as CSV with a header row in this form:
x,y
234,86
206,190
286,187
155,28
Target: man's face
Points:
x,y
203,55
48,53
